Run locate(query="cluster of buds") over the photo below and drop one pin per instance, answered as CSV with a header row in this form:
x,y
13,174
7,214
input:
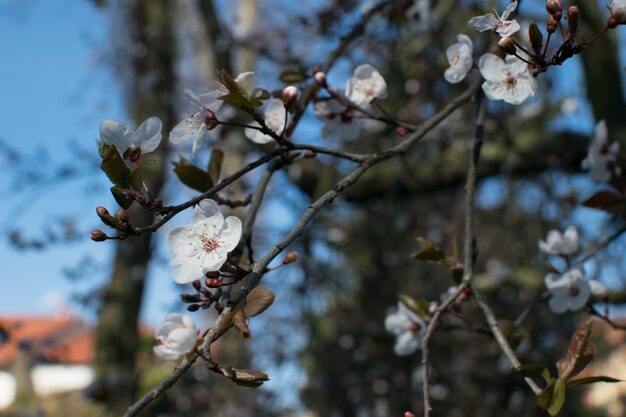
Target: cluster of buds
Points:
x,y
120,222
203,298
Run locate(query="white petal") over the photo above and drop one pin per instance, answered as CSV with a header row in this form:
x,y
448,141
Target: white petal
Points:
x,y
179,242
148,135
406,344
165,353
199,138
365,85
350,131
509,9
275,114
208,214
116,133
185,130
492,68
188,272
257,136
397,323
242,76
558,302
231,234
484,22
597,288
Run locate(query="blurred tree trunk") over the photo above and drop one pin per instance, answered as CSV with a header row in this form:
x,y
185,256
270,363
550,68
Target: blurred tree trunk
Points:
x,y
151,81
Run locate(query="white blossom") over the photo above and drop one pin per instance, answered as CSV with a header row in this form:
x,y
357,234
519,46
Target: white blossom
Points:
x,y
339,121
365,85
146,138
198,124
508,80
274,116
460,59
618,10
557,243
492,21
203,245
176,336
408,328
570,291
601,160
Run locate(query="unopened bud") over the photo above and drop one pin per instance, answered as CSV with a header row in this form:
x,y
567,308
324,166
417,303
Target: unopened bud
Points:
x,y
507,45
551,25
106,218
432,307
122,216
197,284
309,154
466,294
402,131
213,282
290,258
98,235
572,19
612,23
212,274
193,307
555,8
290,94
408,414
157,203
320,78
618,11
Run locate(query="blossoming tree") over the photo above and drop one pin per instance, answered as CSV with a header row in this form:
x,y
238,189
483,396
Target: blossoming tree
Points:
x,y
386,146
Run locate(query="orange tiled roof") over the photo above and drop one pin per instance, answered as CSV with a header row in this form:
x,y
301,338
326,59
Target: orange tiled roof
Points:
x,y
56,339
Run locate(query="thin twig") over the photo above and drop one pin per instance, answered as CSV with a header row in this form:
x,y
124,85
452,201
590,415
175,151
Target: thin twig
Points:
x,y
500,339
468,249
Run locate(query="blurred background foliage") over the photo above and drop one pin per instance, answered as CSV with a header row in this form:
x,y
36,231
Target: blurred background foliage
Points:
x,y
323,342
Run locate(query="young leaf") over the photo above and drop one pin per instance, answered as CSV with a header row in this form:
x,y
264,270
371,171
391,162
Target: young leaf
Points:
x,y
121,197
114,166
246,377
558,397
606,201
575,351
192,176
428,252
239,101
215,165
544,398
239,321
293,76
536,38
537,370
419,307
259,299
591,380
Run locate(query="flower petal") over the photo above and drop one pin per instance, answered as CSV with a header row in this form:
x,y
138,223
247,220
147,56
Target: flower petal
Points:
x,y
116,133
231,233
492,68
148,135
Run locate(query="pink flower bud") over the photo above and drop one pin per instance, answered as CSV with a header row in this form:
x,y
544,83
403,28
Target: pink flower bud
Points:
x,y
98,235
101,211
290,94
555,8
507,45
213,282
572,19
551,25
618,11
290,257
320,78
402,131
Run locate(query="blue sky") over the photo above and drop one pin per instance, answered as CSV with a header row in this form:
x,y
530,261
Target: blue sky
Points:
x,y
56,89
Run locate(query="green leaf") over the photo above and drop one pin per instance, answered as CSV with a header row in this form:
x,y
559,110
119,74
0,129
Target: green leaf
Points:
x,y
591,380
122,199
230,83
293,76
575,351
544,398
419,307
192,176
537,370
258,300
114,166
215,165
239,101
558,397
136,177
536,38
429,253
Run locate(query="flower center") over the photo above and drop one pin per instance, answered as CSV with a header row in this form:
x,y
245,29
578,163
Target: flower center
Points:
x,y
415,328
574,291
510,82
209,244
455,59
